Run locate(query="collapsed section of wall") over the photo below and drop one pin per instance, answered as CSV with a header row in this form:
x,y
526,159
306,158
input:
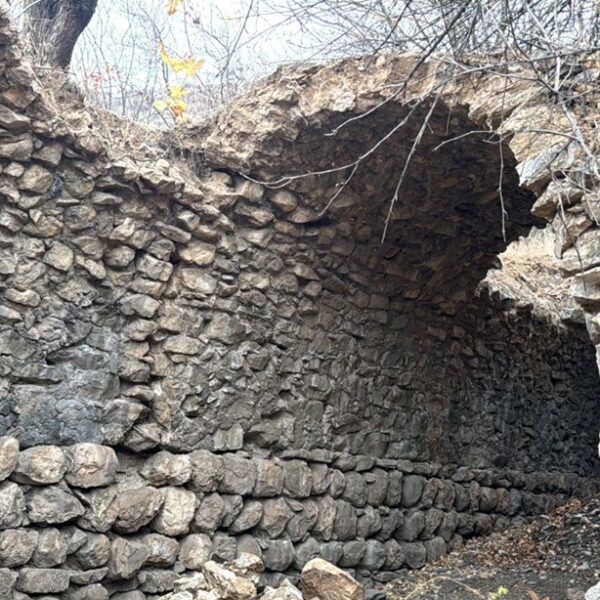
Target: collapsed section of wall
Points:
x,y
78,519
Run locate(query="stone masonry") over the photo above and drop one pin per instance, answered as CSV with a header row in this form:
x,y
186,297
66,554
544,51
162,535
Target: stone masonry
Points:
x,y
200,362
80,517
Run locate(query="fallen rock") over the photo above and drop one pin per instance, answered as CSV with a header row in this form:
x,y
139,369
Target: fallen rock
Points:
x,y
226,585
286,591
324,581
593,593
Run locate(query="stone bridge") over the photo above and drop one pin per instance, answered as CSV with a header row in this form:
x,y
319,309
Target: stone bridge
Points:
x,y
263,352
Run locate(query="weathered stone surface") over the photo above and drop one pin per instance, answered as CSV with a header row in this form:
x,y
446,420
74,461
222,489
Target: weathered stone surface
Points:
x,y
51,550
286,591
95,591
415,554
248,518
156,581
210,513
278,555
353,553
239,476
95,552
297,479
225,329
225,547
126,558
91,465
165,468
17,546
9,453
52,505
304,519
412,488
269,479
207,471
8,580
394,555
196,550
161,315
12,505
137,507
176,513
162,550
323,580
276,514
413,526
43,581
101,509
355,490
345,521
226,584
42,465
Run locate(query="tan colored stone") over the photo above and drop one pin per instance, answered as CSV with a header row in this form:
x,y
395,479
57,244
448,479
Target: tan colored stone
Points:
x,y
91,465
9,455
41,465
324,581
226,584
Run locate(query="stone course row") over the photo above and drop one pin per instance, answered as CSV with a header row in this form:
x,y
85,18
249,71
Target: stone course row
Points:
x,y
82,515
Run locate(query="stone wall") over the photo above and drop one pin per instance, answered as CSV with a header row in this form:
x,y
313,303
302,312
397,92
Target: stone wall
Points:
x,y
310,354
84,522
135,319
147,308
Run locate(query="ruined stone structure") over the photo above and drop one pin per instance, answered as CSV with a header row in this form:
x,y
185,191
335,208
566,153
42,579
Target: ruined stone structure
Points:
x,y
195,362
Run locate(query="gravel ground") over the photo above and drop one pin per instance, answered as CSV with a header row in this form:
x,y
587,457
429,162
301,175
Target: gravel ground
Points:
x,y
555,557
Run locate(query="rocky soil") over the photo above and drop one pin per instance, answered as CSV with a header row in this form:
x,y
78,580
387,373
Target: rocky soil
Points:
x,y
551,557
239,580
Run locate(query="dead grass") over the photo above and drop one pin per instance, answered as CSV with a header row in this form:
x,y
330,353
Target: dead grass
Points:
x,y
530,275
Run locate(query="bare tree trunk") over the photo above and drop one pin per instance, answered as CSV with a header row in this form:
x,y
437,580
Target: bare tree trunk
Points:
x,y
52,28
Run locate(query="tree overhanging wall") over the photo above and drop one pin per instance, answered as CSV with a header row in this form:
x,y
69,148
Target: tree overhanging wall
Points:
x,y
366,387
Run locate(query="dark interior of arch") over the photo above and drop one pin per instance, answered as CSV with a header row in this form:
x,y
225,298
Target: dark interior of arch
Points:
x,y
402,354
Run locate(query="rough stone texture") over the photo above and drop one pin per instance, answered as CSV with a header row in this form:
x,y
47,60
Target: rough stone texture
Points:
x,y
91,465
217,282
274,376
323,580
40,466
9,454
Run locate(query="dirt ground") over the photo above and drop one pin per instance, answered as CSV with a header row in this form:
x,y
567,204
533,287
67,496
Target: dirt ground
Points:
x,y
554,557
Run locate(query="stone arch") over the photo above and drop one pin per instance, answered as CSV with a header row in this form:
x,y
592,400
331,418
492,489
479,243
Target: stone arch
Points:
x,y
444,235
291,383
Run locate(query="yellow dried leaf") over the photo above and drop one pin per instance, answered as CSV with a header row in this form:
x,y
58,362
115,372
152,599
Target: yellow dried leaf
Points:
x,y
178,108
172,6
160,105
189,66
177,91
